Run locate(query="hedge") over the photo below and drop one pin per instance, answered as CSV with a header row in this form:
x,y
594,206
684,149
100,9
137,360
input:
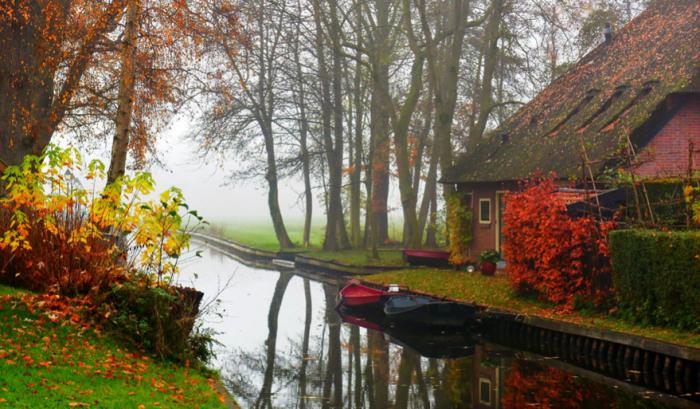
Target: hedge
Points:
x,y
657,276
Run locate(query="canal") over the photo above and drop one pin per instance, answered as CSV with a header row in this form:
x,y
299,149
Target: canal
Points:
x,y
284,345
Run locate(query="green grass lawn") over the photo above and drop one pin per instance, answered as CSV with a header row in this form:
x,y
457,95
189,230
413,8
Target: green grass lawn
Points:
x,y
261,236
46,364
387,257
496,292
5,290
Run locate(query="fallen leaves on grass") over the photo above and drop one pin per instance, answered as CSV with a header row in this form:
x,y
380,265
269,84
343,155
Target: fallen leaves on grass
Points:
x,y
44,333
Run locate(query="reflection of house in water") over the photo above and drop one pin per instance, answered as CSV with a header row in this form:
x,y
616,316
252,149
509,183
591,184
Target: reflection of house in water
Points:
x,y
489,375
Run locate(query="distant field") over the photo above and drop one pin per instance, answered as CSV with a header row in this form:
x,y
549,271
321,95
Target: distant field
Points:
x,y
261,235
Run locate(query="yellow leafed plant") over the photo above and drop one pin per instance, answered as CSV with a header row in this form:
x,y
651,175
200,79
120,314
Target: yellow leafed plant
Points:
x,y
56,233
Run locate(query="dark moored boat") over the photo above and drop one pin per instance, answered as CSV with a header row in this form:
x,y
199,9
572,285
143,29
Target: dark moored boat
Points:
x,y
427,343
365,318
433,344
429,312
433,258
357,295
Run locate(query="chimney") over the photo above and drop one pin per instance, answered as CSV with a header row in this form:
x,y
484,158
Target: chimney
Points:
x,y
608,31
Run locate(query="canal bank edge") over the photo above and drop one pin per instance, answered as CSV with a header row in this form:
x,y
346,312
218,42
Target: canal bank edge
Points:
x,y
263,259
228,400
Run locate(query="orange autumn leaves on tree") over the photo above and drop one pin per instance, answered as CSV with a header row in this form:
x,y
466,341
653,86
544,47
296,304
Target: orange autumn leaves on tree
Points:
x,y
47,47
561,259
61,63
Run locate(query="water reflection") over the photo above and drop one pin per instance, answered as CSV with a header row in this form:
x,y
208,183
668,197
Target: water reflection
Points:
x,y
286,346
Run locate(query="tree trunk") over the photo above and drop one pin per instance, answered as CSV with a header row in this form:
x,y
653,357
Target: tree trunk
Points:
x,y
492,34
430,235
328,114
334,374
357,355
125,99
337,180
412,235
273,192
380,352
32,107
369,369
443,63
379,230
430,187
264,400
305,344
356,174
303,139
369,177
380,56
406,368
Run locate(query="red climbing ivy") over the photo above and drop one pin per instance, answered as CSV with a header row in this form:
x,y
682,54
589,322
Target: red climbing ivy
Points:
x,y
561,259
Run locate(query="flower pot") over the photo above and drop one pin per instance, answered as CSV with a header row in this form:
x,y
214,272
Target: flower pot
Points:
x,y
488,268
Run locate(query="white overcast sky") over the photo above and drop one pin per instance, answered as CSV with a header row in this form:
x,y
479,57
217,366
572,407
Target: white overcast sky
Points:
x,y
204,184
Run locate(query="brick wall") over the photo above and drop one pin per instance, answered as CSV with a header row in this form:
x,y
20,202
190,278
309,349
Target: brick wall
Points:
x,y
667,154
484,234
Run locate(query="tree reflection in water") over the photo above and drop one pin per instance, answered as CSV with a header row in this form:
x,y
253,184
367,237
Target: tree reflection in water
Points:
x,y
329,364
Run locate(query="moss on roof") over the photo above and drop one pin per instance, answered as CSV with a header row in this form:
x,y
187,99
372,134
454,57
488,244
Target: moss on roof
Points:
x,y
602,99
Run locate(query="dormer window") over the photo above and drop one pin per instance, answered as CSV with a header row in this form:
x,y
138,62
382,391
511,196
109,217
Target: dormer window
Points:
x,y
619,91
590,94
647,88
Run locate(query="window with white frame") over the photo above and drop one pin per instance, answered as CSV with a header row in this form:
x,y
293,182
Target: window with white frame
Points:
x,y
484,391
485,211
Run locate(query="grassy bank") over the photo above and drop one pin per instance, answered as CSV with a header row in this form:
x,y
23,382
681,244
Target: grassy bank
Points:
x,y
387,257
496,292
51,360
262,236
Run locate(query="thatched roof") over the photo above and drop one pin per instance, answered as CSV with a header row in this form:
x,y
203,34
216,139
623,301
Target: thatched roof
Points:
x,y
610,94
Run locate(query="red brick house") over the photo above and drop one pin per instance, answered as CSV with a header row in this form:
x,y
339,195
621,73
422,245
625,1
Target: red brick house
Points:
x,y
643,86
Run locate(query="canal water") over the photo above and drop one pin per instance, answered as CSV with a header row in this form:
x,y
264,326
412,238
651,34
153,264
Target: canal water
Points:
x,y
284,345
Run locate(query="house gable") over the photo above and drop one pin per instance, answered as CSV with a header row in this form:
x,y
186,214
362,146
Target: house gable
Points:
x,y
668,152
599,103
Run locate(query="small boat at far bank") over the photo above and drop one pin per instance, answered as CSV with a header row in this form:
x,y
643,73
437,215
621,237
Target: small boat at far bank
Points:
x,y
431,258
357,295
429,312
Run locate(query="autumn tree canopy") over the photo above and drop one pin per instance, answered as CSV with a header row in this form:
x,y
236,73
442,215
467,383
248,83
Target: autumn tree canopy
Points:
x,y
48,46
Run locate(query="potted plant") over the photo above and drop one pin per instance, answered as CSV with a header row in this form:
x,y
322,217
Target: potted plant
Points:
x,y
488,260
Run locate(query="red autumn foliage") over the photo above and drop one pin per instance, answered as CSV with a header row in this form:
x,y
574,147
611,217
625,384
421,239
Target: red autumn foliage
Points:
x,y
559,258
54,263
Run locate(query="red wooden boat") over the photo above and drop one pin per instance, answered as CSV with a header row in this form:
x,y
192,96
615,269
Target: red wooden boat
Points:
x,y
355,294
420,257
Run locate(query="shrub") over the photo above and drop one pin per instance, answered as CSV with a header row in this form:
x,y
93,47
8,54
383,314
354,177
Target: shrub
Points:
x,y
55,234
657,276
561,259
160,318
491,256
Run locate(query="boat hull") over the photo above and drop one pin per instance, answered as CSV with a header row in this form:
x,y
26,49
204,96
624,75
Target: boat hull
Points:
x,y
432,258
358,295
423,311
427,342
